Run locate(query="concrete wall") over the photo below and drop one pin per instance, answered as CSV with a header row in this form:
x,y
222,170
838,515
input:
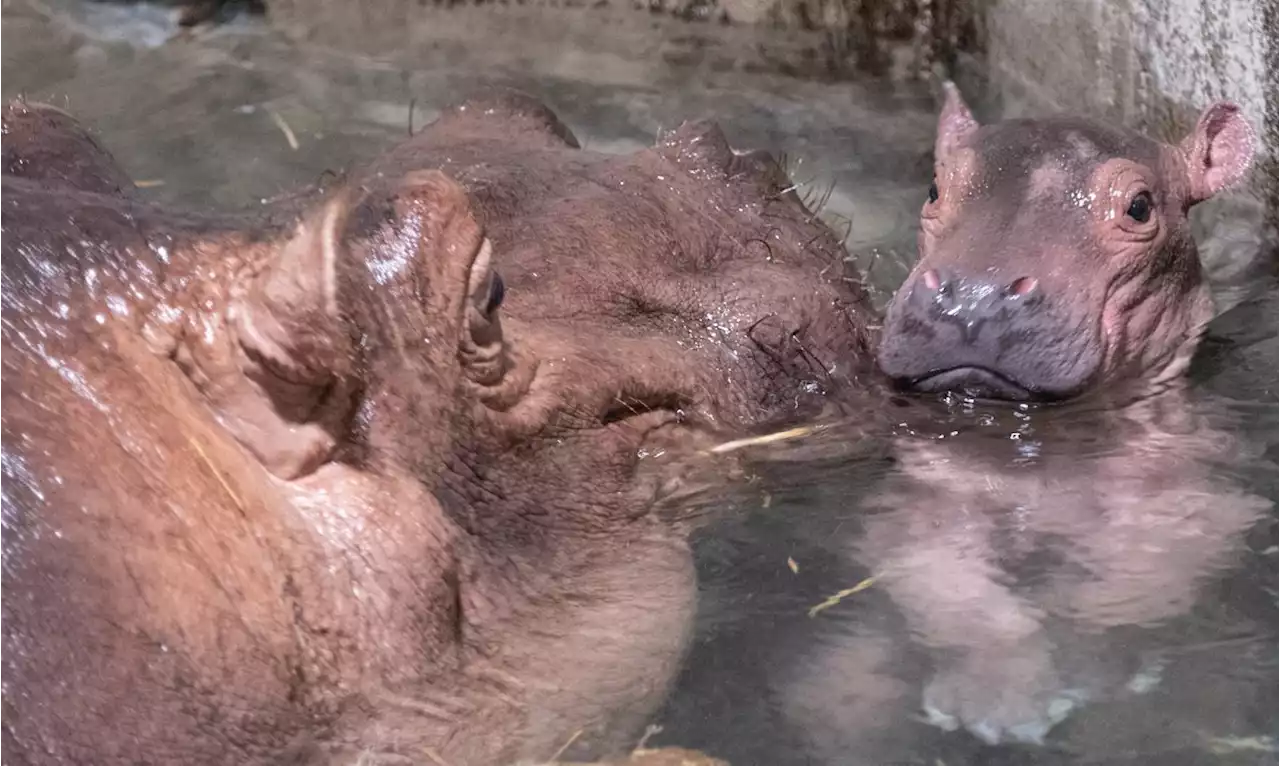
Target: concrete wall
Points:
x,y
812,39
1150,64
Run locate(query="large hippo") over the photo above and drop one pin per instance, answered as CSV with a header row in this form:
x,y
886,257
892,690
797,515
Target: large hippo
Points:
x,y
362,479
1056,266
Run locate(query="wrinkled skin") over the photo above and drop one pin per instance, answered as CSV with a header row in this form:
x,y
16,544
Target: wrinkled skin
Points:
x,y
1056,257
1038,281
366,480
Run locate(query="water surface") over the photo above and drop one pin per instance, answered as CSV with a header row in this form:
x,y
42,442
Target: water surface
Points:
x,y
901,498
1138,539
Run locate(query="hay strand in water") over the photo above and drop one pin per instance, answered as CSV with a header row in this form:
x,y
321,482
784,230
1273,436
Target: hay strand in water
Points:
x,y
837,598
752,441
284,128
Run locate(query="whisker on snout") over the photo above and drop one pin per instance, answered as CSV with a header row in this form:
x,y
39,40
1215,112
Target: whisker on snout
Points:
x,y
624,407
823,200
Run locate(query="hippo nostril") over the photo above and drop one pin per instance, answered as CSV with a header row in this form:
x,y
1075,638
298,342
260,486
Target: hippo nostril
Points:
x,y
1023,286
931,279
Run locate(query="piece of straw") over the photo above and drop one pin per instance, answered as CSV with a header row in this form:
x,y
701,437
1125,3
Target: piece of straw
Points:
x,y
751,441
837,598
284,128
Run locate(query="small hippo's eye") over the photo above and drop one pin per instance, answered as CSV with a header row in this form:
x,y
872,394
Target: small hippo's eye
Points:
x,y
933,191
497,291
1140,208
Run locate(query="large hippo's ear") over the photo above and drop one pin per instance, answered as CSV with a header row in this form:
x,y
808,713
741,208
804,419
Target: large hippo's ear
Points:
x,y
1219,151
955,124
296,356
508,115
481,348
45,143
288,315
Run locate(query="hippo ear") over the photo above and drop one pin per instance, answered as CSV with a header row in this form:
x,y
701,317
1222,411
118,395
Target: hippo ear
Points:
x,y
955,124
1219,151
508,115
700,144
289,399
45,143
288,318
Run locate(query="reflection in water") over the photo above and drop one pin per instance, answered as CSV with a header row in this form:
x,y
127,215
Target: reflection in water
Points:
x,y
1083,583
1113,569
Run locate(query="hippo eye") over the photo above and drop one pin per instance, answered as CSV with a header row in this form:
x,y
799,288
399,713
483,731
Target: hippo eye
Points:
x,y
933,191
497,291
1140,208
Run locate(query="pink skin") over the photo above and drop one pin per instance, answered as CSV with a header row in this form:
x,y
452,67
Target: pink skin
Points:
x,y
1032,246
1061,285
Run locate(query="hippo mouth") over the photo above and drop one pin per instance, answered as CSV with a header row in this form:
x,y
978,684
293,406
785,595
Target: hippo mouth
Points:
x,y
976,382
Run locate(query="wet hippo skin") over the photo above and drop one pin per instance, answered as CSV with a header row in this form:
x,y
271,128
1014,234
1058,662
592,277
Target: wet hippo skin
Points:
x,y
1056,266
365,478
1056,256
1056,262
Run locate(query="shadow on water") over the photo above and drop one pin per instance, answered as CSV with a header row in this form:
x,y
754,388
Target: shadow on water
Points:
x,y
1114,568
1082,583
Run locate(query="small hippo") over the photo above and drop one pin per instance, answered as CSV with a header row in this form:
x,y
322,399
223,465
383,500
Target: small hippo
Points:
x,y
1056,257
1055,264
374,477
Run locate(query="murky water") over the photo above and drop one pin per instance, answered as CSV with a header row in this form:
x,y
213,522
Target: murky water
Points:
x,y
1113,568
1105,573
198,119
1128,553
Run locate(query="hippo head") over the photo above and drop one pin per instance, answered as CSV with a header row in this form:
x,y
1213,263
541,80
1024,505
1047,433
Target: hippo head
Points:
x,y
651,299
372,475
522,340
1055,255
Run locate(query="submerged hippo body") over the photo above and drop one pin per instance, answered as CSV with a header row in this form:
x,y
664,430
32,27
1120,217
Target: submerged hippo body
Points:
x,y
323,487
1056,265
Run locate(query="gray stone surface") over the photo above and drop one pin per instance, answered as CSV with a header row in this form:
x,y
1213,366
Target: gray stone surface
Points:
x,y
1149,64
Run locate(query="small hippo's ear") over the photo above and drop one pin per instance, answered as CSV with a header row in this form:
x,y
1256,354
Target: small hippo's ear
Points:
x,y
1219,151
955,124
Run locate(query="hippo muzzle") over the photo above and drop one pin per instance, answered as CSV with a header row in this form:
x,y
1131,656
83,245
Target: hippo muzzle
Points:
x,y
986,337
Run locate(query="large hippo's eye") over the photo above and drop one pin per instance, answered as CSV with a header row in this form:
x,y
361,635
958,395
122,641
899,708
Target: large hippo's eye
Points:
x,y
1140,207
933,191
497,291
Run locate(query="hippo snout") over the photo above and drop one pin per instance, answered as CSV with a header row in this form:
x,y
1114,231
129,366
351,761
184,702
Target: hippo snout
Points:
x,y
973,304
988,336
